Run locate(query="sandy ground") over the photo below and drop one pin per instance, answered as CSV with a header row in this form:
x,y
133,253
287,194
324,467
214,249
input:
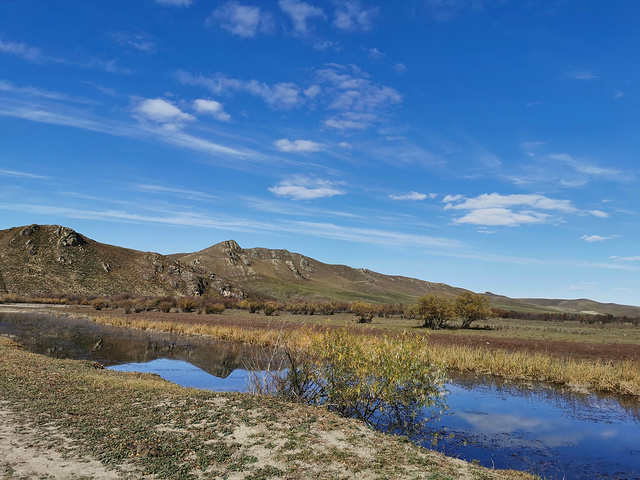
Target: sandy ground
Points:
x,y
23,455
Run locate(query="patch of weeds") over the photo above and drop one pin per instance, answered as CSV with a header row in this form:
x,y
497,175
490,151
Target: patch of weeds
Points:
x,y
241,463
264,473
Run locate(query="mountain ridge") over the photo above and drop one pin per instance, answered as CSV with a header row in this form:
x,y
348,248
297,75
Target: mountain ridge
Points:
x,y
45,259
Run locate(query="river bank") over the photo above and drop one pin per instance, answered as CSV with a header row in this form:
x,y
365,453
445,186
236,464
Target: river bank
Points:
x,y
62,416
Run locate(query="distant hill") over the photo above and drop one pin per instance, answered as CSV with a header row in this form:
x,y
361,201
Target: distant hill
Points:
x,y
542,305
39,259
50,259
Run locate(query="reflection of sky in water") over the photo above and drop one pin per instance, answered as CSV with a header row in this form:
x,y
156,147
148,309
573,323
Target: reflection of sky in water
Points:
x,y
188,375
568,438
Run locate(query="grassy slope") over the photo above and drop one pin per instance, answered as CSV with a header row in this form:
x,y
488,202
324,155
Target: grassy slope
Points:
x,y
143,426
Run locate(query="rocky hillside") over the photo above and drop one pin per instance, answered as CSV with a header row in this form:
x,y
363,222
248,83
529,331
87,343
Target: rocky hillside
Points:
x,y
39,259
284,275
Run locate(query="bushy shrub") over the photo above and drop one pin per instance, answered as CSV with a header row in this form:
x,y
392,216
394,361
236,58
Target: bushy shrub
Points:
x,y
382,381
214,308
364,311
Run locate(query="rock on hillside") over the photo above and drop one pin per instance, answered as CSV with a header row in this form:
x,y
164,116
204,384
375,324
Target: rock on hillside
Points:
x,y
40,259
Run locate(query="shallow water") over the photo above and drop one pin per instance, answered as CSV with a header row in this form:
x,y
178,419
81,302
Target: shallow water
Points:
x,y
524,426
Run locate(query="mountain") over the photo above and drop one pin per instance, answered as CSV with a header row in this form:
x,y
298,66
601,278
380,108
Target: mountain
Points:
x,y
50,259
41,259
290,276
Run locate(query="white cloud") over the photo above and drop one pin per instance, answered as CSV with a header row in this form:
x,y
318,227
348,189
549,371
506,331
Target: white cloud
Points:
x,y
413,196
599,213
400,67
299,187
597,238
175,3
375,53
500,210
245,21
618,95
286,145
211,107
161,111
502,217
496,200
352,16
300,13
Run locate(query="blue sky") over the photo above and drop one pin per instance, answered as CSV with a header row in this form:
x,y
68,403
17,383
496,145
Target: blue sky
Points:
x,y
491,145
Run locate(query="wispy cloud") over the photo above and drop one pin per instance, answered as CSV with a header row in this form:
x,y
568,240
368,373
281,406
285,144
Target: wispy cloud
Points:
x,y
246,21
584,166
301,13
36,55
414,196
352,16
140,41
31,54
583,287
282,96
175,3
580,75
190,194
299,187
597,238
161,121
635,258
360,103
16,174
286,145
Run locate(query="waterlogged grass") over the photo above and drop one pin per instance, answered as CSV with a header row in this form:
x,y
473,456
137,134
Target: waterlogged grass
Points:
x,y
621,377
144,427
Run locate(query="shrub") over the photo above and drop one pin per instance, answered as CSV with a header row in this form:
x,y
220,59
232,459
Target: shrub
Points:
x,y
364,312
386,382
436,312
214,308
471,307
188,305
99,303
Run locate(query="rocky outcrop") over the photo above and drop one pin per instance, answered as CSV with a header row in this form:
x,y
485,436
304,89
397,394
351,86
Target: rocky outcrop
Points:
x,y
68,237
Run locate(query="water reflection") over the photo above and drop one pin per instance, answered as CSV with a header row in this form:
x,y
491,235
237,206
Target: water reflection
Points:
x,y
188,375
64,337
554,433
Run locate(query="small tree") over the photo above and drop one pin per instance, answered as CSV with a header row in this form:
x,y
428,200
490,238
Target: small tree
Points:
x,y
436,312
363,311
471,307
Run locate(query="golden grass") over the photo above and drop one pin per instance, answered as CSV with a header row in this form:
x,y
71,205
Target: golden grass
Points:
x,y
621,377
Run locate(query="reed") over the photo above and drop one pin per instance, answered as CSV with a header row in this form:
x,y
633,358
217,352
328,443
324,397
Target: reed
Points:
x,y
620,377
